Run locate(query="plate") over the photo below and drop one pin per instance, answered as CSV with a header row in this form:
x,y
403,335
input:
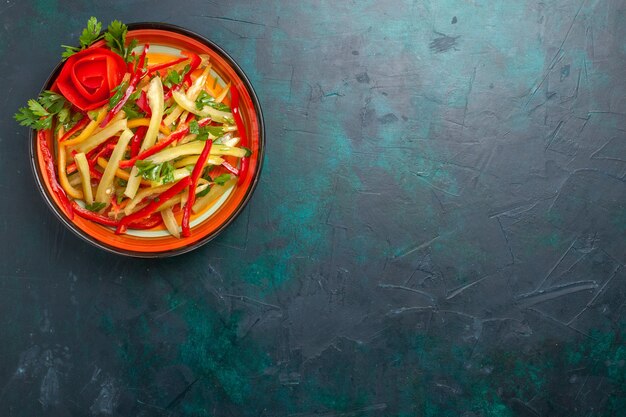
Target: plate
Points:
x,y
157,242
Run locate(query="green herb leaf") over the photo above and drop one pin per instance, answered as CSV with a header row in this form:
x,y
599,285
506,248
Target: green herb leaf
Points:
x,y
172,78
132,111
40,113
248,151
194,128
115,38
69,51
91,33
216,131
203,192
205,99
222,179
95,206
119,93
88,36
163,172
204,132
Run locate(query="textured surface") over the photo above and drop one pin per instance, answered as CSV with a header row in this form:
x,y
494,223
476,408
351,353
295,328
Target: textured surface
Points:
x,y
439,229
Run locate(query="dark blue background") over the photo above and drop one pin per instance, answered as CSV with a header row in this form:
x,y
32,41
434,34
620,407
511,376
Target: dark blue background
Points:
x,y
439,229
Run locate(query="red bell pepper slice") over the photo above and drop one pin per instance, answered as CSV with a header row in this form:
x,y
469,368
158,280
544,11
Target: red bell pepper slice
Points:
x,y
241,128
231,168
103,150
158,67
179,134
195,63
152,206
95,174
142,103
79,125
148,223
195,175
135,142
134,80
52,177
93,216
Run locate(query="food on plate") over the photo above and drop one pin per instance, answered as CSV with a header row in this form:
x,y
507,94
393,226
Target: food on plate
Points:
x,y
136,140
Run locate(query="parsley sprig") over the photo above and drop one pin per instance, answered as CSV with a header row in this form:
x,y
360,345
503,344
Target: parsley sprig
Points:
x,y
205,99
39,113
115,37
163,172
90,35
205,132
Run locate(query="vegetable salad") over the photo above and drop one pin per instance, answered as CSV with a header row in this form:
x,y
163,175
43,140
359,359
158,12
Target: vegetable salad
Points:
x,y
140,139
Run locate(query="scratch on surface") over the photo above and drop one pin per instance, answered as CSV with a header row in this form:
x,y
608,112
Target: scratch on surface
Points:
x,y
526,407
467,97
527,300
593,155
557,56
556,265
401,310
431,185
554,133
416,248
453,293
401,287
506,239
181,395
252,301
552,319
515,210
230,19
595,297
350,413
169,310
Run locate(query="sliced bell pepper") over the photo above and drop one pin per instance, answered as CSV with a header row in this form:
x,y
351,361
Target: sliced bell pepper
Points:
x,y
142,103
195,175
52,178
241,128
231,168
134,80
154,68
193,64
152,206
79,125
179,134
93,216
135,142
